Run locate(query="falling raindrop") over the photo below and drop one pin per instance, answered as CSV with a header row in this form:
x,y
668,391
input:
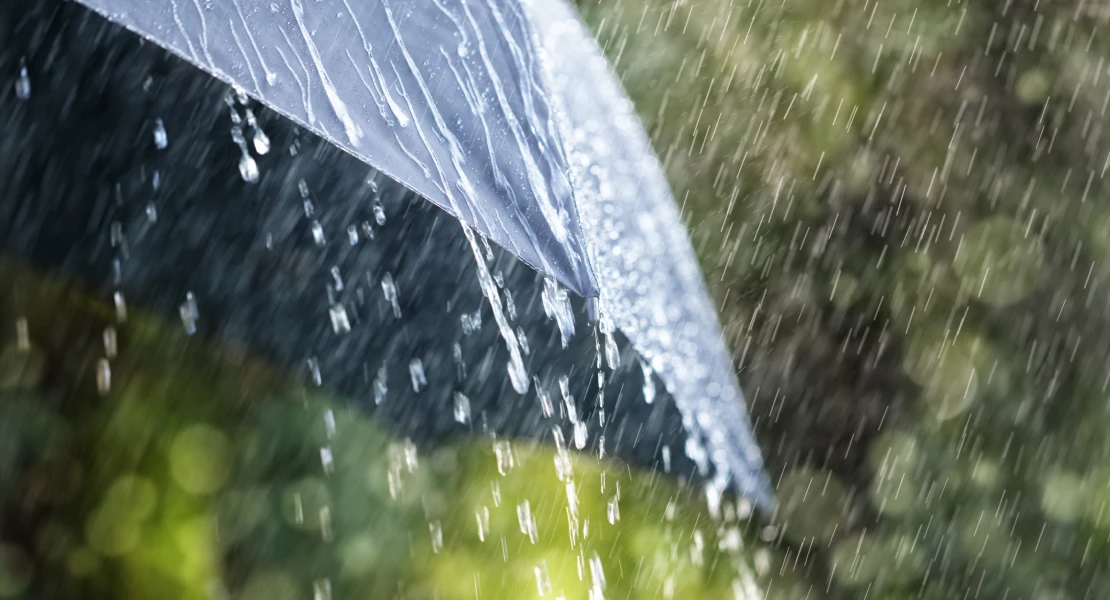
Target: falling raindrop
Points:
x,y
580,434
318,234
416,374
379,213
460,363
23,82
389,289
314,371
337,279
248,168
526,521
503,451
471,322
189,313
121,306
260,141
340,323
462,408
103,376
151,212
111,344
380,385
556,305
481,515
161,139
352,235
524,349
22,334
649,382
436,531
545,401
321,589
326,532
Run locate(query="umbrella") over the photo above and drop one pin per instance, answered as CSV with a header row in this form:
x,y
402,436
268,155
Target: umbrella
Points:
x,y
490,110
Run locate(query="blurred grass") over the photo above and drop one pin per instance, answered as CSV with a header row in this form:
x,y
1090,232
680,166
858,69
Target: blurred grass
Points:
x,y
901,210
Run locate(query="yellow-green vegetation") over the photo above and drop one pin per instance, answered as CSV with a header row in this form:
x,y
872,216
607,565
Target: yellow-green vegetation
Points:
x,y
901,208
202,472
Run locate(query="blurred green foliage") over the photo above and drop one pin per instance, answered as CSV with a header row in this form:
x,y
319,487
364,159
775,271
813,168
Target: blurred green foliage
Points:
x,y
139,462
901,209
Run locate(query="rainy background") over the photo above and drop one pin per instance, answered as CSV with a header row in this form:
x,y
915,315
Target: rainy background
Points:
x,y
900,211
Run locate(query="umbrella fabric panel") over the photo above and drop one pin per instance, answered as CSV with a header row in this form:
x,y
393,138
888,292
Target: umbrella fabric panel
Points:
x,y
442,96
651,286
308,270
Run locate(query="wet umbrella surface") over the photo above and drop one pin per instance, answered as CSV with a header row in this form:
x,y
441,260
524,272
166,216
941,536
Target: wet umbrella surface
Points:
x,y
199,272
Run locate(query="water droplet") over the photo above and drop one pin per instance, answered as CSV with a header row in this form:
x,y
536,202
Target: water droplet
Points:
x,y
545,401
380,386
510,306
314,371
481,515
597,576
503,450
614,510
524,349
526,521
379,214
580,434
103,376
416,374
111,345
612,352
23,334
318,234
436,531
543,581
390,291
556,305
321,589
462,408
302,187
152,213
568,399
298,509
471,322
161,139
329,423
121,306
189,313
327,460
248,168
261,142
23,83
325,524
460,364
649,383
352,235
337,279
340,323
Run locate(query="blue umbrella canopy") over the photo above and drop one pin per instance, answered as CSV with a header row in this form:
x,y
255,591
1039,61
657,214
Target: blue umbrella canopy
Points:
x,y
648,274
442,96
506,115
